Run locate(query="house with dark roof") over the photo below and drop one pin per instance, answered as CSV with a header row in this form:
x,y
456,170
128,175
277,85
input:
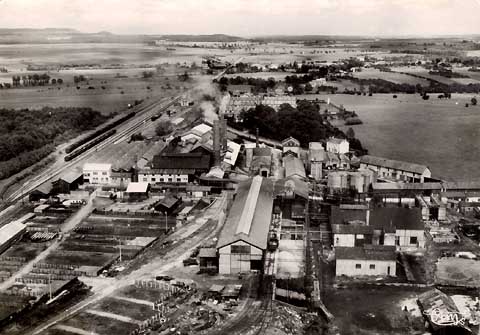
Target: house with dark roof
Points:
x,y
368,260
43,191
397,170
244,237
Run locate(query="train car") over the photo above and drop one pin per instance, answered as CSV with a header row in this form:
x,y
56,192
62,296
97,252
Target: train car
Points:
x,y
89,145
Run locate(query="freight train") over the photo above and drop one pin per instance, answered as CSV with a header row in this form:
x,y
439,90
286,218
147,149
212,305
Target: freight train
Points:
x,y
99,132
89,145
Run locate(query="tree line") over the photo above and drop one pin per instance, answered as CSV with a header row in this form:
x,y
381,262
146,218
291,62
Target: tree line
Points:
x,y
304,123
25,134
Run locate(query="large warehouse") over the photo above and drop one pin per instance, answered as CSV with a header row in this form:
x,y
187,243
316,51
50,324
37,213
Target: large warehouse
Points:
x,y
244,238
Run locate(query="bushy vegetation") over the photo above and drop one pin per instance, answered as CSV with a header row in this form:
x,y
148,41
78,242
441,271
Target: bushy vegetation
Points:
x,y
304,123
164,128
26,135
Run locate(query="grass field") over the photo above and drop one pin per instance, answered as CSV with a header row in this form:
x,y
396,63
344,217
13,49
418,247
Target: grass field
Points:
x,y
100,325
116,306
397,78
440,133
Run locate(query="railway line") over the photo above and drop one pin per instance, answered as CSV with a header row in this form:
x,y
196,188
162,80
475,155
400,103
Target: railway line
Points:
x,y
124,130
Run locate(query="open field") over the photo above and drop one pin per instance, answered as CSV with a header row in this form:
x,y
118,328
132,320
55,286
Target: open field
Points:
x,y
397,78
375,310
441,133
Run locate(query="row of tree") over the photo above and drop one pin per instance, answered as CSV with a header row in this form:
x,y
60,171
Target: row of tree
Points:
x,y
34,80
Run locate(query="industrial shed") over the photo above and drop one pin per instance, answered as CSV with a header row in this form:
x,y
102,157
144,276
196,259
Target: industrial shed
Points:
x,y
294,167
369,260
244,238
68,182
43,191
10,233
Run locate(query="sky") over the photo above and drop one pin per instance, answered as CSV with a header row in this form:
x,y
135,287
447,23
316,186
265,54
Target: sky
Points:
x,y
248,17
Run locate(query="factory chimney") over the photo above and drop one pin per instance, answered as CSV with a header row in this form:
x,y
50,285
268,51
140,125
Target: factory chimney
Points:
x,y
256,137
216,143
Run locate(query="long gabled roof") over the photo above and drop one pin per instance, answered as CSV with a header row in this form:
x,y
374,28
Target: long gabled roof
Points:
x,y
393,164
294,167
250,214
195,161
367,252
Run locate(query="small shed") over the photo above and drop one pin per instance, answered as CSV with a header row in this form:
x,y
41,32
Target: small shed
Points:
x,y
168,204
215,291
231,292
137,191
208,259
41,208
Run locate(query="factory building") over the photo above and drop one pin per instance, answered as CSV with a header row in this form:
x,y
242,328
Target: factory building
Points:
x,y
97,173
369,260
396,170
338,146
243,240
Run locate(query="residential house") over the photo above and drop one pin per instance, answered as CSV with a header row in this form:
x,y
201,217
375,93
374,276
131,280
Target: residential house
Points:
x,y
397,170
368,260
291,144
352,235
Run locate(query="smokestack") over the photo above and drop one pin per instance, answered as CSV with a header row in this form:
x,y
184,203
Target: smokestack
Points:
x,y
256,138
223,133
216,142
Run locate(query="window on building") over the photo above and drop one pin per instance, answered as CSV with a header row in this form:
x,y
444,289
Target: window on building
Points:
x,y
104,173
170,180
240,249
95,173
358,266
360,237
397,240
413,240
145,179
153,178
372,266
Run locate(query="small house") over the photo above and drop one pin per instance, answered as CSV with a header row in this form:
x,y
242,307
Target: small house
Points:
x,y
137,191
338,145
368,260
67,182
208,260
168,204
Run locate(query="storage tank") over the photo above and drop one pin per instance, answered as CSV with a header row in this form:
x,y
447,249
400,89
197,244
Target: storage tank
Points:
x,y
344,180
334,180
358,182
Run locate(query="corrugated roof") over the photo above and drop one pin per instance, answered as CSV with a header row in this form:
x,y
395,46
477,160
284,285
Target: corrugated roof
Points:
x,y
97,167
195,161
207,252
137,187
367,252
352,229
260,223
342,216
393,164
294,167
398,217
71,176
405,186
10,230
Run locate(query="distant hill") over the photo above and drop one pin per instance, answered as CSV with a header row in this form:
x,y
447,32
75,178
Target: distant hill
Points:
x,y
65,35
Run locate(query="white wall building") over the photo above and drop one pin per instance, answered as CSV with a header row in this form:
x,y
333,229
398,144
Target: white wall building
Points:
x,y
97,173
392,169
368,260
338,145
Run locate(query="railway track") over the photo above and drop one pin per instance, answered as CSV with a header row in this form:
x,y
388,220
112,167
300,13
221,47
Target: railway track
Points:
x,y
142,117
